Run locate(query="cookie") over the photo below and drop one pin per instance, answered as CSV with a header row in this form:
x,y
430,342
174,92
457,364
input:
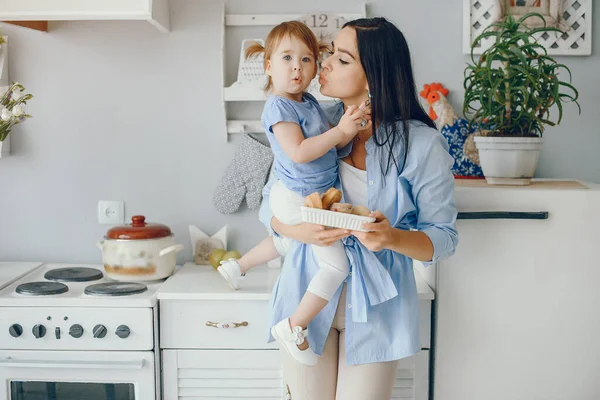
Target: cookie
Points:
x,y
332,195
361,210
313,200
341,207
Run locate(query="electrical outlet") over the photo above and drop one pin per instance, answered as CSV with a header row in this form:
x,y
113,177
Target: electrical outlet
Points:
x,y
111,212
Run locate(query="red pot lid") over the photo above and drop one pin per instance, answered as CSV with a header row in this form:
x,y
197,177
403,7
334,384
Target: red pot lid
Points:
x,y
138,229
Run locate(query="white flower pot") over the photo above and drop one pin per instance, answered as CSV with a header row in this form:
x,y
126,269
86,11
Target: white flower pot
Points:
x,y
5,147
508,160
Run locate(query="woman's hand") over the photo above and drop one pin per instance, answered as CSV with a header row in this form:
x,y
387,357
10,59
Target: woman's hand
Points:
x,y
381,235
309,233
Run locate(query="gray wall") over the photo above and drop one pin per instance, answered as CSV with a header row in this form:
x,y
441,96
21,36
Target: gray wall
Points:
x,y
123,112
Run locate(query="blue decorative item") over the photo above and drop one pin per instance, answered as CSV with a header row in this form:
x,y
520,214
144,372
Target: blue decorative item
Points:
x,y
455,130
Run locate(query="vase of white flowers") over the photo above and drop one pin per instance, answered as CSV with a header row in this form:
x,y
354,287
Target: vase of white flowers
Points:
x,y
12,111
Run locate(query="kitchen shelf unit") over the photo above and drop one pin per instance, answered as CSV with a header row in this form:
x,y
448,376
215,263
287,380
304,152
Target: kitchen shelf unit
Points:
x,y
253,91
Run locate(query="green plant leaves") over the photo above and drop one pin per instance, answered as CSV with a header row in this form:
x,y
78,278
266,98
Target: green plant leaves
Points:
x,y
514,85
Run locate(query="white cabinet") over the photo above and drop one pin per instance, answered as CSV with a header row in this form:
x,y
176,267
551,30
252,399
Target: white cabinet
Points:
x,y
517,305
201,359
155,12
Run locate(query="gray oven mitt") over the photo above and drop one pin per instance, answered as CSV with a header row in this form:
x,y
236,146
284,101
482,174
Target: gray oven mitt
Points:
x,y
245,176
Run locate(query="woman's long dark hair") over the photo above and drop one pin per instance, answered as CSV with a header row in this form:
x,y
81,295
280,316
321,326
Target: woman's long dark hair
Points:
x,y
385,57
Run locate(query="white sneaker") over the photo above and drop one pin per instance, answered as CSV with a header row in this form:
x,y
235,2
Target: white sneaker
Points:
x,y
289,339
230,271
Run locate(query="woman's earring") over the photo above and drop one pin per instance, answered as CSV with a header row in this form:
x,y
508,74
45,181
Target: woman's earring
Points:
x,y
368,102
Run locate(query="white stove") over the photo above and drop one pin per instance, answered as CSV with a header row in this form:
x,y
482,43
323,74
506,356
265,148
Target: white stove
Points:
x,y
63,285
68,332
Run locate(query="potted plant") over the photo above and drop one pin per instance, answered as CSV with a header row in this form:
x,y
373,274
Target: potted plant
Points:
x,y
12,111
510,93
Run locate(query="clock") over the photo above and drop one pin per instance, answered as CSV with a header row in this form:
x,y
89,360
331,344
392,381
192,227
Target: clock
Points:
x,y
324,25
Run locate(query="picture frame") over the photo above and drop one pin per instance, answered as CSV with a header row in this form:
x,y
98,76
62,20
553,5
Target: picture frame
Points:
x,y
551,10
573,17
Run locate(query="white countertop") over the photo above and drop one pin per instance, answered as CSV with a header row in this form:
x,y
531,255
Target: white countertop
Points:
x,y
202,282
10,271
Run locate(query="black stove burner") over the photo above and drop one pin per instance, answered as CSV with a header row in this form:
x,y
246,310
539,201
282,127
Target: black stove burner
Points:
x,y
41,288
74,274
115,289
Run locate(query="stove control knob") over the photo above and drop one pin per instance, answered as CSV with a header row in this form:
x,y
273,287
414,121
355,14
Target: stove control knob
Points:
x,y
39,331
123,331
15,330
76,331
99,331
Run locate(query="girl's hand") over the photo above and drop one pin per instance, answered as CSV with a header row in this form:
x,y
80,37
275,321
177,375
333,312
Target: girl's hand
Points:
x,y
352,120
381,235
310,233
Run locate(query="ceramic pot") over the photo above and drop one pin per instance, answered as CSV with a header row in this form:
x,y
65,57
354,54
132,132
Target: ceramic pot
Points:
x,y
139,251
508,160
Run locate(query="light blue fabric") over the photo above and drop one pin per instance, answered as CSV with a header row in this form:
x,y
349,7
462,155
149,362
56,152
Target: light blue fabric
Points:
x,y
381,294
314,176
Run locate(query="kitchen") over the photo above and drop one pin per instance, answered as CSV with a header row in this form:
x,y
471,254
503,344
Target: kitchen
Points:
x,y
123,111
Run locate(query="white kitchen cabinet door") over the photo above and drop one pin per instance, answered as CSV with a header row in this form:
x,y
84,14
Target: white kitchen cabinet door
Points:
x,y
517,305
242,374
222,375
412,378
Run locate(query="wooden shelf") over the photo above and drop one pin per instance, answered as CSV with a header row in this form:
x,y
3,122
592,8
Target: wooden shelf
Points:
x,y
37,25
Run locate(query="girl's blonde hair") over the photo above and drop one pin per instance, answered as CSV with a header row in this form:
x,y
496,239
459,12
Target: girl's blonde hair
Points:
x,y
295,29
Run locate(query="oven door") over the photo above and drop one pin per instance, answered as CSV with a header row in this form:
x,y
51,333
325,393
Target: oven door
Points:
x,y
76,375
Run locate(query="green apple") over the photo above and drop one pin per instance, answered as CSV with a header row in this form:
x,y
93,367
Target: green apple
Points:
x,y
232,254
215,257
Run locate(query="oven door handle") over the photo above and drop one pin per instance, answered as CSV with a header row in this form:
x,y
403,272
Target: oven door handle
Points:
x,y
98,364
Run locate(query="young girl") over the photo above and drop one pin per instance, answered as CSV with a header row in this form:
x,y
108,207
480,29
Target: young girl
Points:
x,y
306,161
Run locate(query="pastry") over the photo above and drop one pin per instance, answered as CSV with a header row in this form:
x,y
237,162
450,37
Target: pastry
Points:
x,y
361,210
313,200
341,207
332,195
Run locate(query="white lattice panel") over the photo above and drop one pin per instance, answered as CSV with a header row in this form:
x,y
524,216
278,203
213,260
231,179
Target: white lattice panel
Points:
x,y
576,14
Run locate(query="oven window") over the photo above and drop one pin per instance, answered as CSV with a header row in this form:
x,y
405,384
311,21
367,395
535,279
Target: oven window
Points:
x,y
71,391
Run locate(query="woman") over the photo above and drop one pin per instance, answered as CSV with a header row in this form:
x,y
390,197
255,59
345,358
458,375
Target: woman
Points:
x,y
400,167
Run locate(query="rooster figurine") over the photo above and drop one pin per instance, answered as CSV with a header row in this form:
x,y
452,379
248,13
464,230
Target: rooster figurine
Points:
x,y
455,130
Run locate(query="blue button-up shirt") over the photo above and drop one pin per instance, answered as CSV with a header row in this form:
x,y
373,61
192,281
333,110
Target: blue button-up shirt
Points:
x,y
383,322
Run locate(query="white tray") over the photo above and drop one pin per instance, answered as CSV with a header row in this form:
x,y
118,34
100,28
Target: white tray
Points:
x,y
334,219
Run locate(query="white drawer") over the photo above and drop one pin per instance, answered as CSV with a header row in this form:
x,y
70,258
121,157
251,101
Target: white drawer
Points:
x,y
183,324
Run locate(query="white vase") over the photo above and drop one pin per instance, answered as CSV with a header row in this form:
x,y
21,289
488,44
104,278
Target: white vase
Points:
x,y
508,160
5,147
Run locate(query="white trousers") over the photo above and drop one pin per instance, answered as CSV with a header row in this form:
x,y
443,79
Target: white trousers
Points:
x,y
333,263
332,378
